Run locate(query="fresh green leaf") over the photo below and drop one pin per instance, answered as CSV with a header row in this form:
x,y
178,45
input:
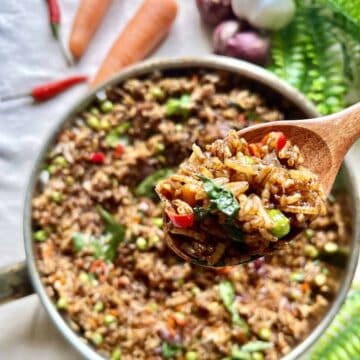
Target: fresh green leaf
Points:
x,y
350,9
146,187
256,346
97,248
341,340
116,230
78,241
168,350
223,199
227,295
118,135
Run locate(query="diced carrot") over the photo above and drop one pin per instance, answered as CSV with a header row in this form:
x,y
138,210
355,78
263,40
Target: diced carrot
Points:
x,y
305,287
142,34
87,19
171,326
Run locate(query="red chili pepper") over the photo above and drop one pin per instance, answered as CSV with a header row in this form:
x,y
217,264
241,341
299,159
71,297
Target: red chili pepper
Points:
x,y
181,221
49,90
119,150
97,157
254,150
281,141
54,17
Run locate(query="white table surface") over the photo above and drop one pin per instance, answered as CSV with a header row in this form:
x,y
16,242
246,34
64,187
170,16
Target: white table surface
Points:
x,y
29,56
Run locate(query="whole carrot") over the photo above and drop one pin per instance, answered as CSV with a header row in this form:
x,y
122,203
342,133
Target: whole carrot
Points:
x,y
46,91
87,19
145,30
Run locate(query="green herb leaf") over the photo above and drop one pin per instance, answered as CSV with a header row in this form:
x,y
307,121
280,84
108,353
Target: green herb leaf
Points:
x,y
116,230
350,9
78,241
146,187
256,346
168,350
117,135
227,295
223,199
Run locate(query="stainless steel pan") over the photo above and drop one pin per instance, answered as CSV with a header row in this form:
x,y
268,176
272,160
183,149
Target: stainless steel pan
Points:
x,y
23,279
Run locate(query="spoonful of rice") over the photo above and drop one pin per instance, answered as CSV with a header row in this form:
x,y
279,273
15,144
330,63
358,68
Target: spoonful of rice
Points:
x,y
247,195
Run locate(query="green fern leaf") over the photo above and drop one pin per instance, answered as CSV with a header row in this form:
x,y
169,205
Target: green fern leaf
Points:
x,y
342,339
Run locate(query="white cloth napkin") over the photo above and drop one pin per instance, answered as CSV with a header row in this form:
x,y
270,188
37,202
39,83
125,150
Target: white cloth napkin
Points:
x,y
28,57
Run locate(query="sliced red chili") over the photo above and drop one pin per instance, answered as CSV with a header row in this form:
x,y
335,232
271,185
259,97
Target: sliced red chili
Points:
x,y
181,220
254,150
97,157
119,150
281,141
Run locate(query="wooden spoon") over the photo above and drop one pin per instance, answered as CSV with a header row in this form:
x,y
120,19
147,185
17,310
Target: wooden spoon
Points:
x,y
323,142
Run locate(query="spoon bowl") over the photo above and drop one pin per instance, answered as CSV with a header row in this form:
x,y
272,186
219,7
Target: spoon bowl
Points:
x,y
323,143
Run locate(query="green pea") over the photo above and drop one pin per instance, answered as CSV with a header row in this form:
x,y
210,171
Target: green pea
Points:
x,y
281,223
78,241
107,106
309,233
331,247
84,277
96,338
156,93
153,240
160,147
153,307
40,235
109,319
62,303
60,161
320,279
93,122
264,334
99,306
56,197
257,356
52,169
95,111
104,124
141,243
116,354
158,221
195,290
178,106
311,251
297,277
191,355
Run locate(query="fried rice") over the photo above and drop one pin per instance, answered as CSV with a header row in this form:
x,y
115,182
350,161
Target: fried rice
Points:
x,y
237,199
98,232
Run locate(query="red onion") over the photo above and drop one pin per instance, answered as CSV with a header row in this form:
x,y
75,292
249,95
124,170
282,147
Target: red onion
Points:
x,y
213,12
249,46
222,33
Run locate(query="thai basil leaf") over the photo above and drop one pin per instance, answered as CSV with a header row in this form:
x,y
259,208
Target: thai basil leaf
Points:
x,y
227,295
146,187
169,351
78,241
222,198
117,232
